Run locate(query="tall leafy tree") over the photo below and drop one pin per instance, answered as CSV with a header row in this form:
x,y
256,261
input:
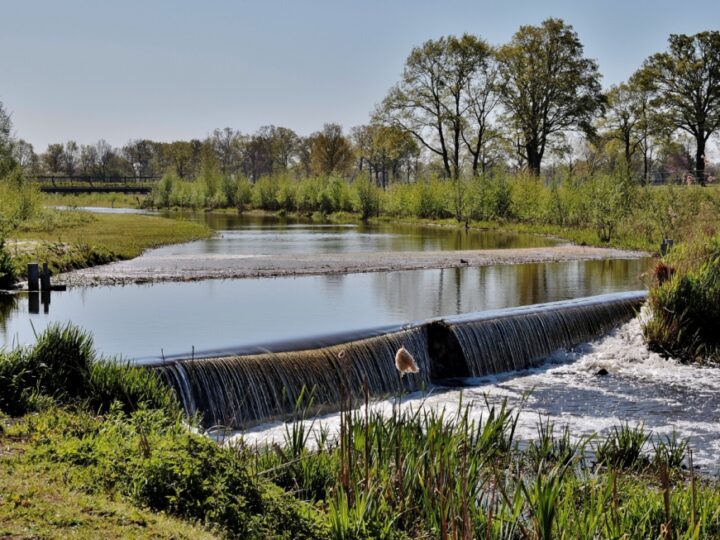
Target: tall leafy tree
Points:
x,y
180,154
623,118
330,151
53,158
687,81
6,141
441,96
285,144
105,155
70,157
384,151
25,156
139,154
258,154
228,148
88,159
547,86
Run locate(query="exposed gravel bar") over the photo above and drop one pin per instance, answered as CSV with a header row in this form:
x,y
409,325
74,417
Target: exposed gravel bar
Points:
x,y
149,268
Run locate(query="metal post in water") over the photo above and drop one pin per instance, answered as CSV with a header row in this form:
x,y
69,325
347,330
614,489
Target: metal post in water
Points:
x,y
45,277
33,273
45,300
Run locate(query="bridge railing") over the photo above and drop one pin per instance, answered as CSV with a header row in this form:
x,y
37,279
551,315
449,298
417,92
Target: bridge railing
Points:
x,y
92,179
94,184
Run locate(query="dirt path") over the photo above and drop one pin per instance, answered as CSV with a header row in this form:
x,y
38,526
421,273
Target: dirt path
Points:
x,y
149,268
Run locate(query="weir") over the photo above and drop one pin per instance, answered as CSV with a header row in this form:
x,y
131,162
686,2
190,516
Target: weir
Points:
x,y
243,389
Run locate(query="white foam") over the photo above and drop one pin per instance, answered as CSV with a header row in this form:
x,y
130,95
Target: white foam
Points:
x,y
641,387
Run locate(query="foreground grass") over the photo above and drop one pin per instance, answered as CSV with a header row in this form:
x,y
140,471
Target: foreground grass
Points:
x,y
69,240
412,475
93,431
110,430
37,502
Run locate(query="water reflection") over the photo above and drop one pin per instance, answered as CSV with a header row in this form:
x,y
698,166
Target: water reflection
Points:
x,y
35,298
270,234
139,320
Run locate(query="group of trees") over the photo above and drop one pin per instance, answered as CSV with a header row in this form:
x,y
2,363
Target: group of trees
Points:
x,y
385,152
461,108
473,105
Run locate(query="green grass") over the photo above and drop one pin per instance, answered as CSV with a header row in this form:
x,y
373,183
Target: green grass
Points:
x,y
152,461
100,200
443,475
62,367
412,475
69,240
37,502
97,431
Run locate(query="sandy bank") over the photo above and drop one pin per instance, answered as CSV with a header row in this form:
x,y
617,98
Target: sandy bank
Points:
x,y
149,268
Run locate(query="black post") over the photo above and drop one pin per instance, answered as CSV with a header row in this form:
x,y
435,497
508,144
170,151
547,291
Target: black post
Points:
x,y
45,277
33,273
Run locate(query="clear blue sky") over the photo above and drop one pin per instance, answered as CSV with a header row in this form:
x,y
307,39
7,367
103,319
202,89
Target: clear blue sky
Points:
x,y
177,69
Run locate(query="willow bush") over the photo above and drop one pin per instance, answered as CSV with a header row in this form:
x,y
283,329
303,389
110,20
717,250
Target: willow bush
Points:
x,y
601,208
684,302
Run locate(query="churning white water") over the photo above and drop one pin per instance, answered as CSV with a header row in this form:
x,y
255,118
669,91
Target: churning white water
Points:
x,y
640,388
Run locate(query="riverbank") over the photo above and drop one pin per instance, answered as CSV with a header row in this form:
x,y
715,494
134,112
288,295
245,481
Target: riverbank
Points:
x,y
409,475
152,268
461,470
69,240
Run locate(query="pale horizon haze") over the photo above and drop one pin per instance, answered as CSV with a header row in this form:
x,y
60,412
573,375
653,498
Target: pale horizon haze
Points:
x,y
165,70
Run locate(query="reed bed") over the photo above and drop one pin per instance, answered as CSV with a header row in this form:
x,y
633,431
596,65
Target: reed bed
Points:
x,y
442,474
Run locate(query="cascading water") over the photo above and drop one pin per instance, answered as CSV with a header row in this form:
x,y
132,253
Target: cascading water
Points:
x,y
507,340
240,390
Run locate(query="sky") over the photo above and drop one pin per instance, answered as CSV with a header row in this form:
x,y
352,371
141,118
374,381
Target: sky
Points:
x,y
175,69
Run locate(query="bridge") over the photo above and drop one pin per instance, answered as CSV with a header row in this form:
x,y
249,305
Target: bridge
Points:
x,y
95,184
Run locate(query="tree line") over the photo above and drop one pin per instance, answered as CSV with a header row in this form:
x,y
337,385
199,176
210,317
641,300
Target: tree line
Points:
x,y
463,107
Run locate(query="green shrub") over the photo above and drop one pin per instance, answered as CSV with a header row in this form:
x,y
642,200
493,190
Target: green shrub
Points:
x,y
265,193
623,448
63,365
15,381
287,194
151,458
670,450
685,309
162,192
61,359
366,197
8,273
19,201
113,381
243,194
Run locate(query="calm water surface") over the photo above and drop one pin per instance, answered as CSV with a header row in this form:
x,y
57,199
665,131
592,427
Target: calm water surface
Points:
x,y
267,235
140,320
